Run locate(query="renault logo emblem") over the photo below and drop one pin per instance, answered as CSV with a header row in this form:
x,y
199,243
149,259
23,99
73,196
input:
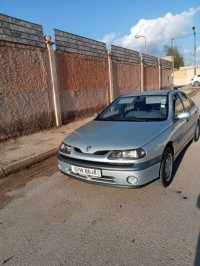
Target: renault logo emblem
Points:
x,y
88,148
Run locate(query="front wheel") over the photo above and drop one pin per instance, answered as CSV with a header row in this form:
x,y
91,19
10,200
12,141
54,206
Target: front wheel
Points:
x,y
166,168
196,84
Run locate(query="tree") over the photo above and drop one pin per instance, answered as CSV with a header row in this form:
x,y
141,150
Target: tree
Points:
x,y
178,58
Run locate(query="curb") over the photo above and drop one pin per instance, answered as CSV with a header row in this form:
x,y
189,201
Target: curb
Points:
x,y
46,154
2,173
16,166
193,92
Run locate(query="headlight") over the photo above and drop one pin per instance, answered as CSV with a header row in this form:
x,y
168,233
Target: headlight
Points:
x,y
127,155
65,148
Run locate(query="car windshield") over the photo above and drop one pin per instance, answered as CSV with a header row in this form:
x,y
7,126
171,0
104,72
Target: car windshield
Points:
x,y
137,108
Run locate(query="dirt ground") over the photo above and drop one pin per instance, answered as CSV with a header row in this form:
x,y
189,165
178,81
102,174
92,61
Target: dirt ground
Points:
x,y
47,218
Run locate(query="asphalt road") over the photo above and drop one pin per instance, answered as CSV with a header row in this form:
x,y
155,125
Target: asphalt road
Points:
x,y
47,218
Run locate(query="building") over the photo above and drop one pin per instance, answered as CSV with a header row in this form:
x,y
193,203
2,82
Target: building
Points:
x,y
183,75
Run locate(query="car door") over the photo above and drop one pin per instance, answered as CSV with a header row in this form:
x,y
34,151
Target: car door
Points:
x,y
180,125
190,107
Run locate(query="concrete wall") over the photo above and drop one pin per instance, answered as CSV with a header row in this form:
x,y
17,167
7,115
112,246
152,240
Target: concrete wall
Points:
x,y
151,78
166,68
24,96
83,83
183,75
166,78
126,78
151,72
83,75
125,71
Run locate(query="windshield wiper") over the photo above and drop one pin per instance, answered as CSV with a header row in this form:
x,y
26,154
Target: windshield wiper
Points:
x,y
131,119
143,119
106,119
138,119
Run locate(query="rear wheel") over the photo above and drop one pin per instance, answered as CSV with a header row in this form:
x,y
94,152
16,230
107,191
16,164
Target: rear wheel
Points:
x,y
196,84
196,132
166,168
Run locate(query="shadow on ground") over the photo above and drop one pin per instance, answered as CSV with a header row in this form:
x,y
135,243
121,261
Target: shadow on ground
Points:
x,y
197,257
176,166
179,159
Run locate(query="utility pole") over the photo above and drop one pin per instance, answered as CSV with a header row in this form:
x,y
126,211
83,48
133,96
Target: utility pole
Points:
x,y
193,28
172,43
145,41
54,82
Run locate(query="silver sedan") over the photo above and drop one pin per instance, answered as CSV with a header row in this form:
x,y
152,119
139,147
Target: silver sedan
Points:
x,y
133,142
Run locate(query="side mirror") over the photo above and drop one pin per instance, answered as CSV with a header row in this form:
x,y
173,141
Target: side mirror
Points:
x,y
183,115
95,115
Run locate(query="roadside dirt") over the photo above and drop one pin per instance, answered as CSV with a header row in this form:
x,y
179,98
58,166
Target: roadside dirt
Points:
x,y
19,180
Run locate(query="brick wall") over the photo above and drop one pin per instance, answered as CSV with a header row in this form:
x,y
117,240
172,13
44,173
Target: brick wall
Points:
x,y
151,72
24,98
20,31
166,79
151,78
83,75
126,70
126,78
166,74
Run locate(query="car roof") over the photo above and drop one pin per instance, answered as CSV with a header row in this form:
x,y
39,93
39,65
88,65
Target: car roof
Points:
x,y
156,92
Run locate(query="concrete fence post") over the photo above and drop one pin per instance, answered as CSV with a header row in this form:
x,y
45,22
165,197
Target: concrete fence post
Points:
x,y
54,82
142,73
110,73
159,74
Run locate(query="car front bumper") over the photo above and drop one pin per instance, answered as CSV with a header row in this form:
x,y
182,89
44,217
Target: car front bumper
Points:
x,y
113,175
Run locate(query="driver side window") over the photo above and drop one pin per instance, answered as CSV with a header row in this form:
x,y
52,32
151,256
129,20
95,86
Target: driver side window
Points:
x,y
178,105
186,101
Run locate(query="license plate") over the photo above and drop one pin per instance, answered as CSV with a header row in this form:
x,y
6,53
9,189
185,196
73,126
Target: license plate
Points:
x,y
86,171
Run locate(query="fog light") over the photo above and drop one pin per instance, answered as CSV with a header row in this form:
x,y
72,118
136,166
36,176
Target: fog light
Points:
x,y
132,180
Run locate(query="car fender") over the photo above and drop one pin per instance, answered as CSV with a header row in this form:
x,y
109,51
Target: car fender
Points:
x,y
156,146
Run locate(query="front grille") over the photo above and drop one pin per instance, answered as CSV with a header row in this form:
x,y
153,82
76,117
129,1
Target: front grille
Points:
x,y
93,163
77,150
100,152
96,153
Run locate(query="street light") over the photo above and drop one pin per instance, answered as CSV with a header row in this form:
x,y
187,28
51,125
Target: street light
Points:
x,y
145,41
193,28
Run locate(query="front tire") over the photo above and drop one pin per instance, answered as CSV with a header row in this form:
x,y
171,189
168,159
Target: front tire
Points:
x,y
196,84
166,168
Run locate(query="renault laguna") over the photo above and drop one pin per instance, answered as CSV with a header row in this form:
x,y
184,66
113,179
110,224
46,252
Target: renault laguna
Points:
x,y
133,142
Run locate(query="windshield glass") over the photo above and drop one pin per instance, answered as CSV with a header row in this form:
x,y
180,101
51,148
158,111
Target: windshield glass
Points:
x,y
137,108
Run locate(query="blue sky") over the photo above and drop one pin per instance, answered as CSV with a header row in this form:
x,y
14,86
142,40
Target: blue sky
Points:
x,y
118,21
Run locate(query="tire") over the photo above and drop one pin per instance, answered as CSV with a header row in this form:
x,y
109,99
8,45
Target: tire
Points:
x,y
196,84
196,132
166,168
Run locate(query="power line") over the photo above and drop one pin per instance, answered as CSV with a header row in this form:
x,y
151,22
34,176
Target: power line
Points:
x,y
181,36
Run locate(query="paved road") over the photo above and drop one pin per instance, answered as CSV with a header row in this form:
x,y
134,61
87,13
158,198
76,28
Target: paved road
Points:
x,y
47,218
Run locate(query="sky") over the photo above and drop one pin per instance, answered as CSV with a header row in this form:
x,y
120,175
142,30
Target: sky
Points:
x,y
118,21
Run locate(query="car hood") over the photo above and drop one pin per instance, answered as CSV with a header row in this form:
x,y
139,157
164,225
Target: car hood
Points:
x,y
114,135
